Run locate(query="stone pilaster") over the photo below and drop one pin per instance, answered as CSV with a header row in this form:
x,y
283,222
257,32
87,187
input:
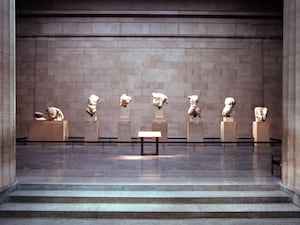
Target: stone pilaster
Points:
x,y
7,93
291,95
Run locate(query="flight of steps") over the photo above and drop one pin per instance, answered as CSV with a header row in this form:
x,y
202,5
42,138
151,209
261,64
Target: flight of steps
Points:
x,y
149,201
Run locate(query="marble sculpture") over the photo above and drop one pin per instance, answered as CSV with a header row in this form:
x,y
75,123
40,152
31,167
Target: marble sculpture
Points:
x,y
229,104
159,100
194,110
125,100
260,113
51,114
92,104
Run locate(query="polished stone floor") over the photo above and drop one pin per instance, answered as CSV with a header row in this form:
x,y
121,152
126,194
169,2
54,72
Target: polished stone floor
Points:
x,y
114,163
117,164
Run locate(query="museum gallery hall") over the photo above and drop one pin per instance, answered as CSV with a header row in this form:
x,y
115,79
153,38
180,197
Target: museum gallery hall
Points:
x,y
153,112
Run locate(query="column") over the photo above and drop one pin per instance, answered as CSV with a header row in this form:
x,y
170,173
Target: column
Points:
x,y
291,95
7,94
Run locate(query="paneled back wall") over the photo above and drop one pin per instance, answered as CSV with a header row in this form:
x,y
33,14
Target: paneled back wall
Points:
x,y
65,56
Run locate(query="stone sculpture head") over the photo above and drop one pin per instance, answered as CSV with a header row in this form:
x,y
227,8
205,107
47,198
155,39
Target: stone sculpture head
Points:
x,y
125,100
50,114
159,100
229,104
194,110
260,113
92,105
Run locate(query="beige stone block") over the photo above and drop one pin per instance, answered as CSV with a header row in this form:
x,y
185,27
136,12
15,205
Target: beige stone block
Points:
x,y
48,130
135,28
106,28
228,130
192,28
228,119
159,115
48,28
124,125
195,130
163,28
261,131
124,113
161,126
91,130
80,28
124,130
221,29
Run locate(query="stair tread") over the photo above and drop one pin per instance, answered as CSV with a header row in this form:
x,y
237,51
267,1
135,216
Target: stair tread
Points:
x,y
147,194
149,187
149,207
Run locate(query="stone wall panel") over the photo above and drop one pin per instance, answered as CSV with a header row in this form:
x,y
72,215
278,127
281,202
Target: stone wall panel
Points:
x,y
77,56
77,71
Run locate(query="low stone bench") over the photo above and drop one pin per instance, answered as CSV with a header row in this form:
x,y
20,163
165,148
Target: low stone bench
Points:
x,y
149,134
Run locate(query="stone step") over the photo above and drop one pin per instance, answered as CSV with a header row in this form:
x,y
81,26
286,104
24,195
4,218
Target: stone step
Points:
x,y
89,196
149,187
149,210
149,201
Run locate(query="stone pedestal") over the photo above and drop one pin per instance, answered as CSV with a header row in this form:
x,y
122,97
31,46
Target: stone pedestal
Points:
x,y
48,130
160,124
124,125
228,129
91,130
124,130
194,130
261,132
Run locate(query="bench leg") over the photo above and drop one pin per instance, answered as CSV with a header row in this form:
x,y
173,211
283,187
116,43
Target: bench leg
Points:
x,y
156,145
272,165
142,146
272,168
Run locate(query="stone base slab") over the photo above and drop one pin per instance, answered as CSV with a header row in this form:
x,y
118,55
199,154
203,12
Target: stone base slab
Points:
x,y
228,119
228,130
124,130
91,130
261,131
194,131
48,130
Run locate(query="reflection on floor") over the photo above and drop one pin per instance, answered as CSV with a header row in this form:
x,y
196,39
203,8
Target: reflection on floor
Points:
x,y
117,163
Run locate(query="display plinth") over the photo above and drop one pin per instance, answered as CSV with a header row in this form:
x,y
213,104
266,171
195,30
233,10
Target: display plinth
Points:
x,y
194,130
124,125
91,130
228,129
159,114
124,113
124,130
160,124
48,131
261,132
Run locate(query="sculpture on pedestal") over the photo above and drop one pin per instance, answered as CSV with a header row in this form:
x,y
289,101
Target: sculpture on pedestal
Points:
x,y
92,104
260,113
124,124
125,100
159,100
229,104
51,114
194,110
